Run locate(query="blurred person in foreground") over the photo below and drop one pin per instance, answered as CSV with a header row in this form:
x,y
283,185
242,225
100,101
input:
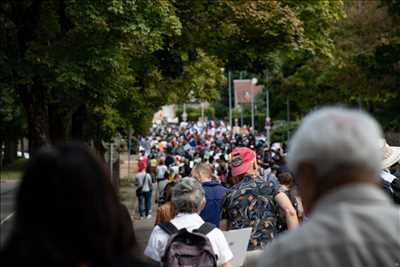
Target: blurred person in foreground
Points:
x,y
214,193
68,214
352,222
253,202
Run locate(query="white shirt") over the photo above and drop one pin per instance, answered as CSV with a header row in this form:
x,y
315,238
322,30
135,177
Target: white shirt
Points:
x,y
161,170
143,180
387,176
158,239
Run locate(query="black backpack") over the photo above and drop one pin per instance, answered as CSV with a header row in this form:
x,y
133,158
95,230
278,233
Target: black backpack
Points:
x,y
188,249
396,190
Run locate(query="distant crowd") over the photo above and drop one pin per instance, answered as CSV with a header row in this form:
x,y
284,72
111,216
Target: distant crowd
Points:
x,y
329,198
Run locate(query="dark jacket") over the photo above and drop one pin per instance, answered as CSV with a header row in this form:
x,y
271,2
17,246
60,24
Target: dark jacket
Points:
x,y
214,193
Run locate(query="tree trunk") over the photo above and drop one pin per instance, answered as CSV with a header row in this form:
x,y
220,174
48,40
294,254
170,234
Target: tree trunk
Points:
x,y
22,147
1,153
33,100
59,123
79,118
10,151
100,149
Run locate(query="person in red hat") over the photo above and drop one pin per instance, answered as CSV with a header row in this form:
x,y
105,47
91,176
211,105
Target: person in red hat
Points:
x,y
253,202
144,188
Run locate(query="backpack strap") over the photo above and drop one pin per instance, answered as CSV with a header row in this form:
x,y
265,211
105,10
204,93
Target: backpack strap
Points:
x,y
205,228
168,227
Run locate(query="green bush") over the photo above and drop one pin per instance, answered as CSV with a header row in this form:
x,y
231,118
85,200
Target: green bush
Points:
x,y
195,113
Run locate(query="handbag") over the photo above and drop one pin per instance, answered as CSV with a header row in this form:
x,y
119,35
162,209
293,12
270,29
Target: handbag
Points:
x,y
139,191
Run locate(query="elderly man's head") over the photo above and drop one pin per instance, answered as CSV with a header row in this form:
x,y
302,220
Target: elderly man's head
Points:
x,y
202,172
188,196
332,147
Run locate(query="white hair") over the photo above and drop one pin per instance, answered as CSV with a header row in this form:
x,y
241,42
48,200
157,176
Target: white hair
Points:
x,y
333,137
187,195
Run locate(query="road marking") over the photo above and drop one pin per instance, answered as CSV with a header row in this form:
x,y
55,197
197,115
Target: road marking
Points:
x,y
7,218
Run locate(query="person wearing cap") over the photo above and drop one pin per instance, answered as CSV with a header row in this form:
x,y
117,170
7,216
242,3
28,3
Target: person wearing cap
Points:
x,y
351,221
254,203
144,188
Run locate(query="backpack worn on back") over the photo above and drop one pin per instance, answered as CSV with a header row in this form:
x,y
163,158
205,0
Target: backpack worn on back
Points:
x,y
188,249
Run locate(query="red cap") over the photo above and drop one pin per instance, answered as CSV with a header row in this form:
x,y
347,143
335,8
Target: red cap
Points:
x,y
141,165
241,160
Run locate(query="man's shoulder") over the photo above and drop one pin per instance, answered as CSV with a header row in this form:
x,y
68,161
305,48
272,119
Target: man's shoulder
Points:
x,y
248,185
139,174
291,243
214,186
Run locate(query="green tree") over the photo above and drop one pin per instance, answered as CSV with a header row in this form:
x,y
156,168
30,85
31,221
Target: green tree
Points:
x,y
65,54
90,69
362,70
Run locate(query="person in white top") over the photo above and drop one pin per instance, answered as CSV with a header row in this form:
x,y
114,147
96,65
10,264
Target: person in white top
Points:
x,y
162,180
188,198
144,188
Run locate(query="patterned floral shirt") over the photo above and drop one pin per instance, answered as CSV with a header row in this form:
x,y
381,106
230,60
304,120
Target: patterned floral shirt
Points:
x,y
251,203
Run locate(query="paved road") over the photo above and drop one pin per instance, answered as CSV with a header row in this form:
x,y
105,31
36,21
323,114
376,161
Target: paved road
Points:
x,y
8,192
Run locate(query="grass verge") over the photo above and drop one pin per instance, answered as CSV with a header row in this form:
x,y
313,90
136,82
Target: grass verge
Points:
x,y
13,171
125,188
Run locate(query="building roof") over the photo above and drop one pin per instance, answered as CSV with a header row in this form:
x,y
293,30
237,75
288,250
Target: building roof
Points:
x,y
243,91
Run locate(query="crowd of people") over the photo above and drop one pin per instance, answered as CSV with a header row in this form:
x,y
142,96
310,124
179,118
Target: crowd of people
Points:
x,y
329,199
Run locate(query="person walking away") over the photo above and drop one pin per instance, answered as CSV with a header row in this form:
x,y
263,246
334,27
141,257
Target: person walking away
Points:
x,y
162,178
144,189
351,221
166,211
290,189
196,236
143,158
214,193
254,203
169,159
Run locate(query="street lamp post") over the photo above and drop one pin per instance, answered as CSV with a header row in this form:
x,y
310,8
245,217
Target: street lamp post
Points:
x,y
184,114
267,118
202,111
230,98
241,104
253,83
288,118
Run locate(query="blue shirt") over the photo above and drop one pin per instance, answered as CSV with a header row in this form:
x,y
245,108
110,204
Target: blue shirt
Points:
x,y
214,193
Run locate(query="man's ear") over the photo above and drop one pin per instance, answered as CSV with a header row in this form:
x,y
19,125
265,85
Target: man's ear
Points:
x,y
203,204
306,179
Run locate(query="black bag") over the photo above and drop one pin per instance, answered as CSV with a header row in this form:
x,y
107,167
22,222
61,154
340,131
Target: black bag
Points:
x,y
139,191
396,190
188,249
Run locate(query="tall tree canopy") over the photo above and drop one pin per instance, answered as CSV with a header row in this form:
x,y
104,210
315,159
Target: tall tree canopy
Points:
x,y
88,69
363,69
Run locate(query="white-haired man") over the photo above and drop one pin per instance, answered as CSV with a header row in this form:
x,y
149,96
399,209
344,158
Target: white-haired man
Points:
x,y
352,222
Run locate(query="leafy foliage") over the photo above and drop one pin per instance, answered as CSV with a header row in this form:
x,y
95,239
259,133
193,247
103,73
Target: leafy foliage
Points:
x,y
101,67
363,71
